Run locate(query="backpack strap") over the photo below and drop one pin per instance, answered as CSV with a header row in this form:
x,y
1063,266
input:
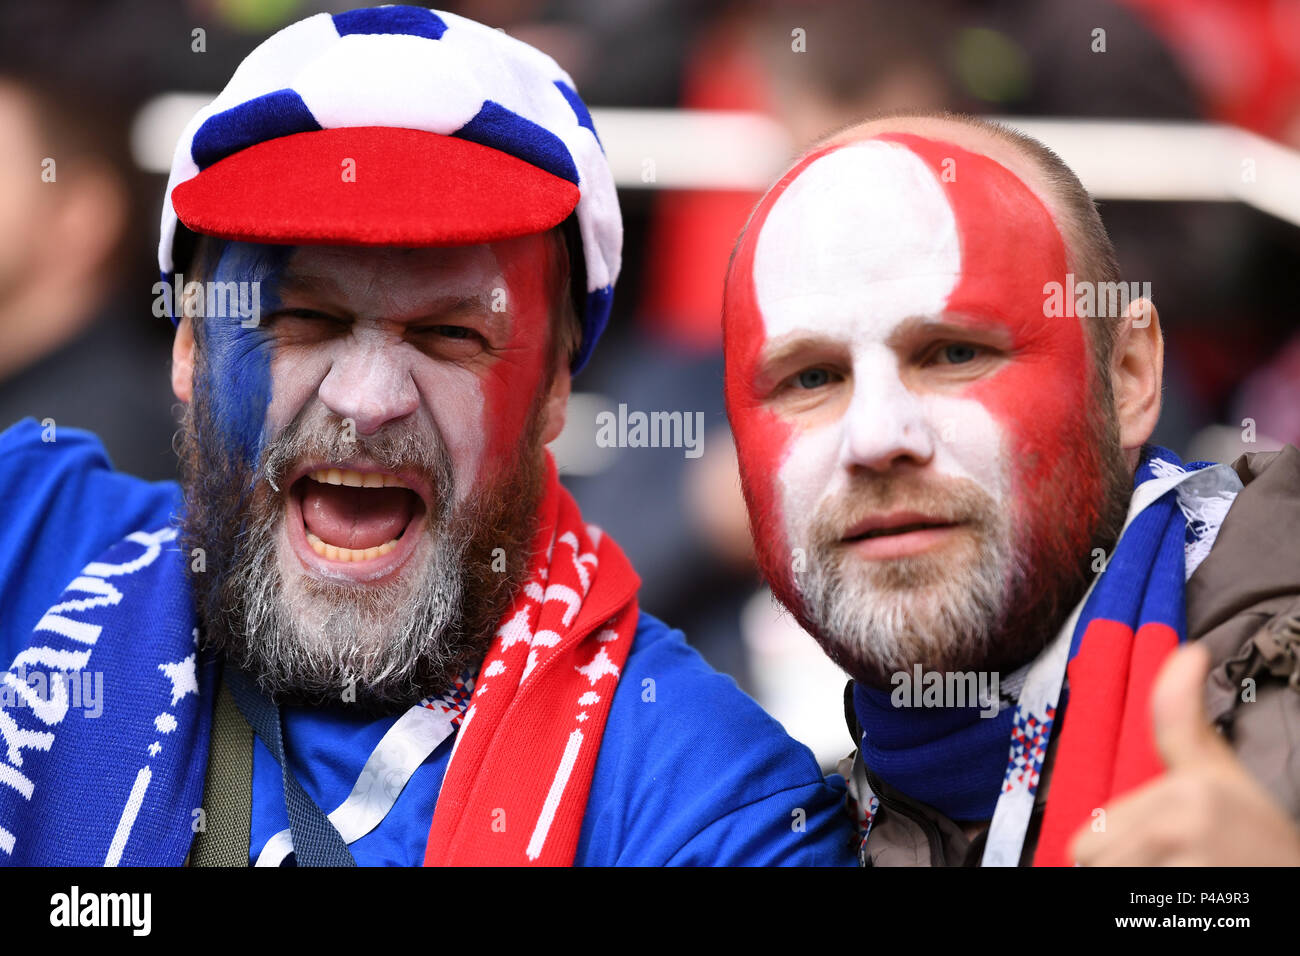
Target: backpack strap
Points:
x,y
228,790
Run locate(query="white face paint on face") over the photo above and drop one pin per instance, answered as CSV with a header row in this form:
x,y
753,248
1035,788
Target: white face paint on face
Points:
x,y
920,446
846,278
445,345
401,356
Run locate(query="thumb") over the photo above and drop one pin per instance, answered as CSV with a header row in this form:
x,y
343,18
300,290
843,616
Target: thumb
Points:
x,y
1183,733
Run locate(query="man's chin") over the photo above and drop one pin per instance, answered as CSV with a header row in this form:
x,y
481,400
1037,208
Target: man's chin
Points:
x,y
938,606
900,637
312,634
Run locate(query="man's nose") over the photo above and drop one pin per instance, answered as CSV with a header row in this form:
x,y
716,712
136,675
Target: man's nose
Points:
x,y
885,423
371,384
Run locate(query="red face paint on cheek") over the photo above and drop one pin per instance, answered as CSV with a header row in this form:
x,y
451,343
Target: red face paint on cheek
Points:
x,y
1010,249
762,437
510,386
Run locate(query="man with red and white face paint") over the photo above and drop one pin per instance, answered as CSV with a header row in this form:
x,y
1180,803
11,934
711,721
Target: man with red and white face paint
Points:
x,y
938,458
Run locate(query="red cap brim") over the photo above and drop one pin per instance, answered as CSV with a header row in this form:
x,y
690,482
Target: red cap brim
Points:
x,y
405,187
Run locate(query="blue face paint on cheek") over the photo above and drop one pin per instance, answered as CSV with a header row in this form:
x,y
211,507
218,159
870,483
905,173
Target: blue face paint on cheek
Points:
x,y
238,352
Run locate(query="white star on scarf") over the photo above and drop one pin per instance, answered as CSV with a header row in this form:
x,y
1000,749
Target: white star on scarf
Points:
x,y
598,667
181,674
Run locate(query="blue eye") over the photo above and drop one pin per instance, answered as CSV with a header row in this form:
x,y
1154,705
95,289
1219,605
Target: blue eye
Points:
x,y
960,354
813,378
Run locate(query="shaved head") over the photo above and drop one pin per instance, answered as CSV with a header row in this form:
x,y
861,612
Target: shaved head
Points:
x,y
1088,250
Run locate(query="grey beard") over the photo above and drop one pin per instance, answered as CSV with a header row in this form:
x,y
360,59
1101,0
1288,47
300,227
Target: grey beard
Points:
x,y
875,622
331,638
993,612
376,646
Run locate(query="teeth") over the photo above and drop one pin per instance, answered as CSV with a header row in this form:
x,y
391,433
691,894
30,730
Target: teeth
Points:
x,y
334,553
356,479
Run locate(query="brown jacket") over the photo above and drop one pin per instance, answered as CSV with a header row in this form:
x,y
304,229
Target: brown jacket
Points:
x,y
1243,601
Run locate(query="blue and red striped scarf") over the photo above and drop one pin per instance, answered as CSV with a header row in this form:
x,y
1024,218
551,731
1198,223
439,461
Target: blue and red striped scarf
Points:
x,y
1134,619
1131,620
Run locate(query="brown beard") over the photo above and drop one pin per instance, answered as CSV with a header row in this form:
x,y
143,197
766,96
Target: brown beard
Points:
x,y
233,512
987,603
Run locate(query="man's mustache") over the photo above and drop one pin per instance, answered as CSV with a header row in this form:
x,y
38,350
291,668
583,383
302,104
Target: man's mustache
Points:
x,y
401,447
955,501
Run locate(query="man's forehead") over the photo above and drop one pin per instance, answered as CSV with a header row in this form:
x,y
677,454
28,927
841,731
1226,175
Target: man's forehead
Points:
x,y
341,268
886,227
863,226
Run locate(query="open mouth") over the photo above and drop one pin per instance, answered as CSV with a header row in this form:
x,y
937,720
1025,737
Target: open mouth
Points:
x,y
354,516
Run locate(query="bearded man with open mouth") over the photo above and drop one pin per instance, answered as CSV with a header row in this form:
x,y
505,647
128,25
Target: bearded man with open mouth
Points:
x,y
372,627
356,555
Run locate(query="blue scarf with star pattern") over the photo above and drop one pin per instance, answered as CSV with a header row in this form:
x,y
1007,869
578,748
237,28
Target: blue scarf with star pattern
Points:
x,y
117,780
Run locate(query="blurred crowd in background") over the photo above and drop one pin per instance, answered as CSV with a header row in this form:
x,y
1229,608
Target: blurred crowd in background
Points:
x,y
80,344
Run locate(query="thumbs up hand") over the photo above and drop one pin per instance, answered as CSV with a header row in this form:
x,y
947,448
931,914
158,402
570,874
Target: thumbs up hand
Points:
x,y
1206,810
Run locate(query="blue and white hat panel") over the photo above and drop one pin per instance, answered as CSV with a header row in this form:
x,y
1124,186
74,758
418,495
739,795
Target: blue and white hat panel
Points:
x,y
419,69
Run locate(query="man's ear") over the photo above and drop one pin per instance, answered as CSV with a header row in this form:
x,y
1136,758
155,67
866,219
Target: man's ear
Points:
x,y
1136,373
557,403
183,360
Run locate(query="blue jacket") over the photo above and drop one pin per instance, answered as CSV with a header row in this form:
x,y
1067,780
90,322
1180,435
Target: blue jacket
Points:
x,y
691,771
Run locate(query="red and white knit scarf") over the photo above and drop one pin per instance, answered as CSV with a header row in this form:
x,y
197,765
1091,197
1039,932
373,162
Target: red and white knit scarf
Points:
x,y
516,787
